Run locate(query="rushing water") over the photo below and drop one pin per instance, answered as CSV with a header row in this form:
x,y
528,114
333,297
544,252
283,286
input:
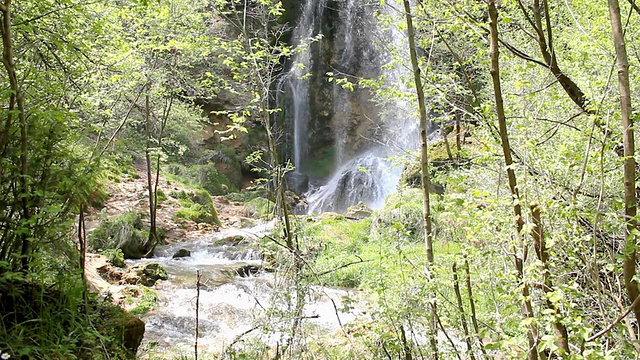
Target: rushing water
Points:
x,y
229,304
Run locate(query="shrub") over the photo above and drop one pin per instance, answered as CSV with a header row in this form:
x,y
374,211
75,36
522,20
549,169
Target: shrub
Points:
x,y
115,257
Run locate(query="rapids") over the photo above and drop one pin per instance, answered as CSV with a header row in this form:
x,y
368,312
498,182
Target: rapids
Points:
x,y
230,305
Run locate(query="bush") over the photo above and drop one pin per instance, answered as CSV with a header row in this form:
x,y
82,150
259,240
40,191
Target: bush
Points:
x,y
115,257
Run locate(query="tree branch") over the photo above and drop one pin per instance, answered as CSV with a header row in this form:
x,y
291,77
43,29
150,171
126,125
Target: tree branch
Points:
x,y
617,320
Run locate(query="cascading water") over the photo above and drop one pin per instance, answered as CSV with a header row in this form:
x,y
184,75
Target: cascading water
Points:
x,y
231,301
343,138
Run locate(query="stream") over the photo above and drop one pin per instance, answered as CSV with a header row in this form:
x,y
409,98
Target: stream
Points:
x,y
230,305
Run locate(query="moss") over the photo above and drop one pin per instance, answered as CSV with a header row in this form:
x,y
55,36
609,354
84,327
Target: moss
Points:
x,y
205,176
199,214
246,196
115,257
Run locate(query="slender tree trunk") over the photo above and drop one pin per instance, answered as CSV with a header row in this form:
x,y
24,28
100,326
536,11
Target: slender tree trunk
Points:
x,y
16,99
163,125
519,256
9,65
630,200
458,136
147,152
463,317
424,161
560,331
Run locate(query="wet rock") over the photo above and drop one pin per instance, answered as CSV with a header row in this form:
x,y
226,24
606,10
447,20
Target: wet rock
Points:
x,y
146,274
246,222
359,211
182,253
247,270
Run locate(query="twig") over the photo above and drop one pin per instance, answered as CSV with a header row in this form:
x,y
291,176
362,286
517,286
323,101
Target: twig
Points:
x,y
198,283
620,318
342,267
453,345
463,318
474,319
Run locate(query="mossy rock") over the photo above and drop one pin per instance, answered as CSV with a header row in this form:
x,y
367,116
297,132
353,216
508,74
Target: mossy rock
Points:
x,y
146,274
229,240
328,216
199,214
125,232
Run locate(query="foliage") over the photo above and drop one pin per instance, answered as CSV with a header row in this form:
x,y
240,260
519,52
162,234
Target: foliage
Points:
x,y
115,257
401,217
57,316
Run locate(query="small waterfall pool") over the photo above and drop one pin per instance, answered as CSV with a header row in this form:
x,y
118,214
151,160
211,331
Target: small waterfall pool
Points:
x,y
230,305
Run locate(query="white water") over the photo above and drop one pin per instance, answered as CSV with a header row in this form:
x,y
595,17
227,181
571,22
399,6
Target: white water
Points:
x,y
229,305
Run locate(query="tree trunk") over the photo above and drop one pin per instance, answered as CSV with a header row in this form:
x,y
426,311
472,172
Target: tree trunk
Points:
x,y
560,331
527,308
424,161
147,152
630,209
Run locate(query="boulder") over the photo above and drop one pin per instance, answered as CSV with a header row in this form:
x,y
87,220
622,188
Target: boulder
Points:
x,y
133,332
182,253
146,274
359,211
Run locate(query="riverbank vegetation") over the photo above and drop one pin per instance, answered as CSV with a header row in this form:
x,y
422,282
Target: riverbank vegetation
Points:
x,y
531,245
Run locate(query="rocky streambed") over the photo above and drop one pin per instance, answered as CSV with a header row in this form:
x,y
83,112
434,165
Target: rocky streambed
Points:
x,y
235,296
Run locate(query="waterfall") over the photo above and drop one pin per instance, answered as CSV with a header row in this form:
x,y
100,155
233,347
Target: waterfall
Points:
x,y
341,138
